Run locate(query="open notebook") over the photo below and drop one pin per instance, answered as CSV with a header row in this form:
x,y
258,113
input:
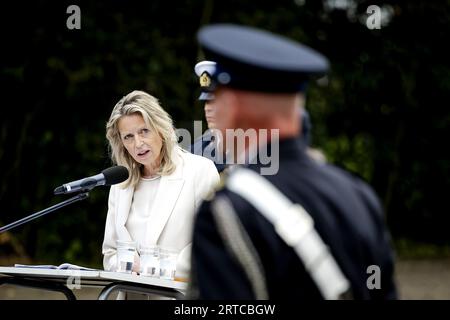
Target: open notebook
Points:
x,y
64,266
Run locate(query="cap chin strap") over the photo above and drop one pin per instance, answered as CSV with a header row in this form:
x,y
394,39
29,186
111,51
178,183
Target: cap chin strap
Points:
x,y
296,227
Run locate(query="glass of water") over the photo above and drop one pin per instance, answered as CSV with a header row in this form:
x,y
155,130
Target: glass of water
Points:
x,y
126,251
150,261
168,263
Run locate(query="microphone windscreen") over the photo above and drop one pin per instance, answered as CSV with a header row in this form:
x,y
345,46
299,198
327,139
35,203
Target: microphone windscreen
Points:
x,y
114,175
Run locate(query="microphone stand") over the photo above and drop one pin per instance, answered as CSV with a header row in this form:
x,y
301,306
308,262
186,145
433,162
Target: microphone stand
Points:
x,y
81,196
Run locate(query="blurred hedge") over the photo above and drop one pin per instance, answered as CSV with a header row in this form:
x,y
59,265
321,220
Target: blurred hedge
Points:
x,y
379,114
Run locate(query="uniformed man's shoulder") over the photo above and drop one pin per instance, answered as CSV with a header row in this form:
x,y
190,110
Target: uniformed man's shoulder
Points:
x,y
221,189
345,174
356,183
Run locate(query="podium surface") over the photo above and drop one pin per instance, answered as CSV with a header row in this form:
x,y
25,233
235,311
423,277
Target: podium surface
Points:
x,y
65,280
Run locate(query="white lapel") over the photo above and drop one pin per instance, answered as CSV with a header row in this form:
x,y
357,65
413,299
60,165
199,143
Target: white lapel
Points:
x,y
124,199
166,197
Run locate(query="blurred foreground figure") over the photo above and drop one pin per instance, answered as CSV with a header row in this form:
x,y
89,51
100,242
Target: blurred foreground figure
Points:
x,y
302,230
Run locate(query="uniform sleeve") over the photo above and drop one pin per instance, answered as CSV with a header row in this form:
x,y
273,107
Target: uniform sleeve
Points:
x,y
214,272
384,251
109,243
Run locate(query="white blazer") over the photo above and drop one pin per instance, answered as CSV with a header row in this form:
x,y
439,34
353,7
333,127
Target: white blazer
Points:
x,y
177,200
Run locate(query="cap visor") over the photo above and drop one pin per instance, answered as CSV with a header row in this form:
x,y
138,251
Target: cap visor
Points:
x,y
205,96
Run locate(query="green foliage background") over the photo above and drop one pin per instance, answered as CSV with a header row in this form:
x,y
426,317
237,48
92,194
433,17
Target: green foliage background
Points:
x,y
382,114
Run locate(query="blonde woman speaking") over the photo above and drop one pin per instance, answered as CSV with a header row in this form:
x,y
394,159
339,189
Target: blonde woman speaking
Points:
x,y
156,205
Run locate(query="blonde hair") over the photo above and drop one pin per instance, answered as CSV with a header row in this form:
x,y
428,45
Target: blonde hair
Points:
x,y
139,102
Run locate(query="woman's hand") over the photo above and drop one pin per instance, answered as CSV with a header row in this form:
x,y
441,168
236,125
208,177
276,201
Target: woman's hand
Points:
x,y
136,264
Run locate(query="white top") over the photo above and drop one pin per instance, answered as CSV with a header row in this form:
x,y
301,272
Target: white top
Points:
x,y
141,208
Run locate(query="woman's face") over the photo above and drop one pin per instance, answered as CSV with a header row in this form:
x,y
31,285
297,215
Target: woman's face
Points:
x,y
141,142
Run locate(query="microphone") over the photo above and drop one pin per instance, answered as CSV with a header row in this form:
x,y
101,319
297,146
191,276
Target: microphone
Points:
x,y
110,176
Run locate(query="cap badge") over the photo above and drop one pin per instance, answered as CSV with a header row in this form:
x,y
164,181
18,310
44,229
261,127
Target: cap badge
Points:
x,y
205,80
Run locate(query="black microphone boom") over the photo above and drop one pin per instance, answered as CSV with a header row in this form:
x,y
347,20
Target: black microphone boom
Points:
x,y
110,176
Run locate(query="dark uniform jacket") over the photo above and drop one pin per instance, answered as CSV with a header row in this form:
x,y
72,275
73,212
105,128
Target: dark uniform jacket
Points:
x,y
201,147
346,213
